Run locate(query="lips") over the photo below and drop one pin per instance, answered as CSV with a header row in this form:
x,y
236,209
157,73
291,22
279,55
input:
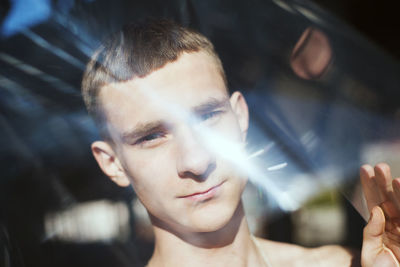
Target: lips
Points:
x,y
204,195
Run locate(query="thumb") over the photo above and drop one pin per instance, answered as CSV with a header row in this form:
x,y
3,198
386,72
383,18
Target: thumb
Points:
x,y
373,237
373,232
374,253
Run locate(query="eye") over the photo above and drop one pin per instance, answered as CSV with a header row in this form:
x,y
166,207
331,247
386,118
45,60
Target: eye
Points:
x,y
210,115
150,137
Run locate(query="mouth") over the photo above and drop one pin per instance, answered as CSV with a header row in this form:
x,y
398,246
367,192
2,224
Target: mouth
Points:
x,y
204,195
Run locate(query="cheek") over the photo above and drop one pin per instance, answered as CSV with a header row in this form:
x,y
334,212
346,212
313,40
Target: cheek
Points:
x,y
229,127
151,170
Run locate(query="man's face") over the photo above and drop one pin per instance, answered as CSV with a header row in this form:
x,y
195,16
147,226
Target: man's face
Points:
x,y
157,122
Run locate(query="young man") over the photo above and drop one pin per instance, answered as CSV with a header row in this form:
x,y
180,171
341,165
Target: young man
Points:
x,y
158,92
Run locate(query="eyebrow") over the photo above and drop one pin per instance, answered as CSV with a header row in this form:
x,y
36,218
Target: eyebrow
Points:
x,y
147,128
142,130
211,104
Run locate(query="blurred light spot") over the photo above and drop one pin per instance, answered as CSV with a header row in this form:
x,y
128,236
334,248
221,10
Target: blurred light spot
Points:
x,y
89,222
319,225
24,14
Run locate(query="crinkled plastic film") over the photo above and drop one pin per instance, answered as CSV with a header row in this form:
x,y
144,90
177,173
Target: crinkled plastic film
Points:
x,y
323,101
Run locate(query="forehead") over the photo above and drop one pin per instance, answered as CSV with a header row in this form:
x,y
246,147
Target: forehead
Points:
x,y
180,85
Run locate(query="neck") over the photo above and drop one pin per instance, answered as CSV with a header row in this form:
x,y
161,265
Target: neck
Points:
x,y
228,246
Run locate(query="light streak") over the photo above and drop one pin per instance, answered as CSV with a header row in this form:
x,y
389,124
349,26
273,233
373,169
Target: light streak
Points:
x,y
53,49
277,167
257,153
230,150
28,69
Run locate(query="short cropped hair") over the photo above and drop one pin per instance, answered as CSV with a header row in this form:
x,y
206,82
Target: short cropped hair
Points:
x,y
137,50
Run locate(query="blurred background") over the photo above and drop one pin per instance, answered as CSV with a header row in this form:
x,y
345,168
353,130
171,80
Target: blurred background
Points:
x,y
321,78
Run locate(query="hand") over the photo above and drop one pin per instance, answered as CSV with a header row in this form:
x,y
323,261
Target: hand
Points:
x,y
381,243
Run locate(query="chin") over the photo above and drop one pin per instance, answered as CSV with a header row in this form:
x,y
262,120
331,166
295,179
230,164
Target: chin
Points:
x,y
214,218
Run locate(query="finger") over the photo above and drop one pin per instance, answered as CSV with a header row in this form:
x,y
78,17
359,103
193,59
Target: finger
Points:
x,y
385,184
384,181
370,189
396,190
393,226
390,210
373,231
374,253
373,237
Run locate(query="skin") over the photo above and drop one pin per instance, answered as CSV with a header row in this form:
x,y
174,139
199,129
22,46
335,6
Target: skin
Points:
x,y
172,161
155,124
381,246
168,161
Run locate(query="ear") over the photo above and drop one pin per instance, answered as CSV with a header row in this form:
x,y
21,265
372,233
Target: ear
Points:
x,y
109,163
239,107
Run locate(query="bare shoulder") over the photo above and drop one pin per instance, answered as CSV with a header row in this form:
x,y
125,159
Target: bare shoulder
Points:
x,y
284,254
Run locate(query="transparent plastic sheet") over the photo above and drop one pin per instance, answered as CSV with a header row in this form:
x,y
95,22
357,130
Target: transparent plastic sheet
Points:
x,y
322,99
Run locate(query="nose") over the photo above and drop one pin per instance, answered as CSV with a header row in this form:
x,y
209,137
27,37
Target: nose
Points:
x,y
194,160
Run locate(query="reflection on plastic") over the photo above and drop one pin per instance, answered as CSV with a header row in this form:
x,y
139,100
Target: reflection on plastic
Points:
x,y
25,14
323,102
311,55
289,193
